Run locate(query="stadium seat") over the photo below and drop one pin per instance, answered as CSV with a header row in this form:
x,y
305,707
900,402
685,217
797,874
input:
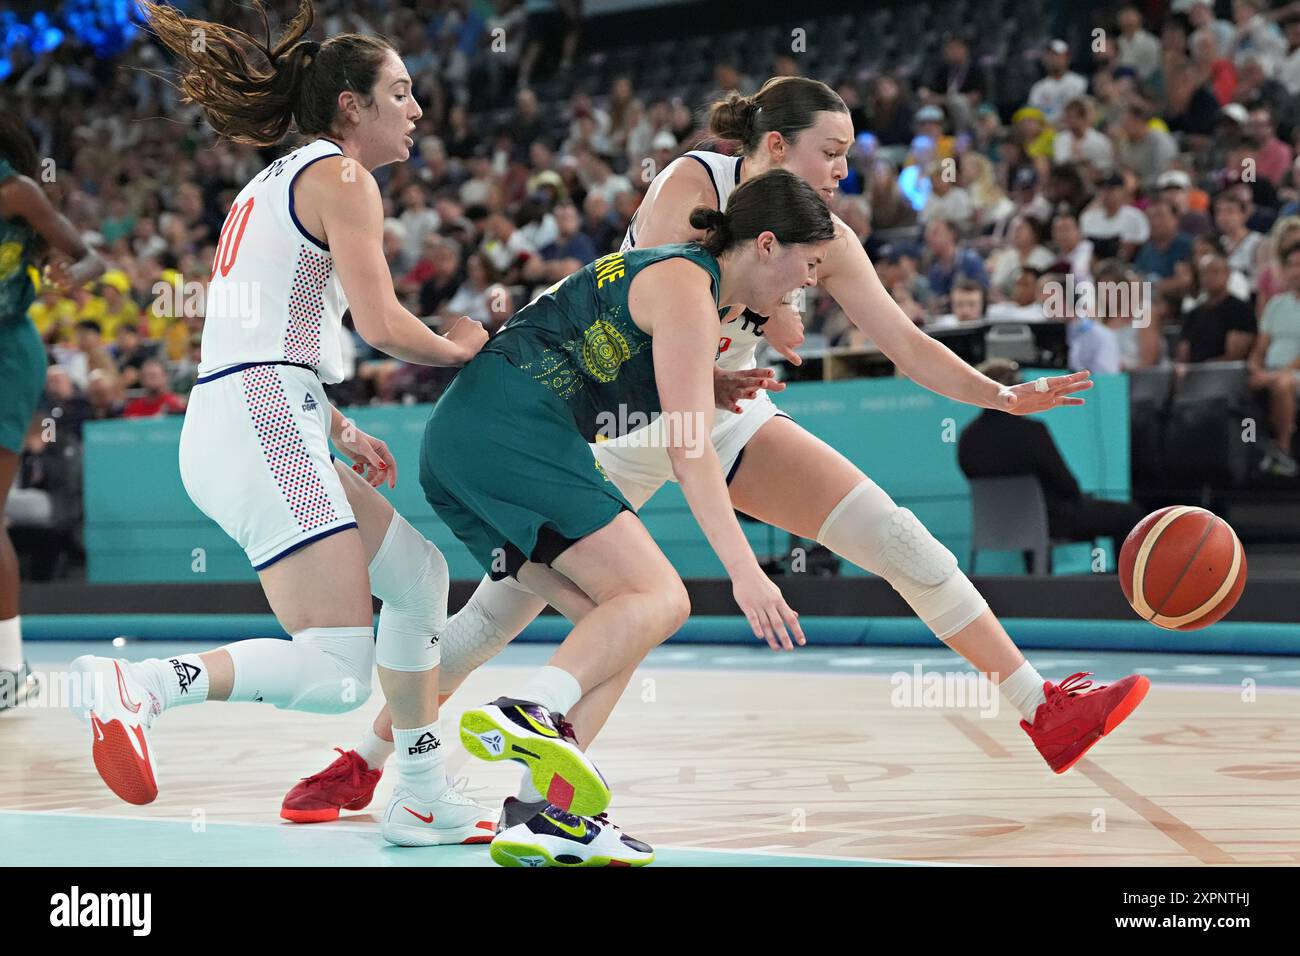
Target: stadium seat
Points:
x,y
1010,514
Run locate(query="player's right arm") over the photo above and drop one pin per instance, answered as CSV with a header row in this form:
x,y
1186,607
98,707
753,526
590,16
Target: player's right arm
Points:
x,y
351,215
672,301
21,197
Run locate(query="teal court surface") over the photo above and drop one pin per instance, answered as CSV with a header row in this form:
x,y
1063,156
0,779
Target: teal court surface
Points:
x,y
726,756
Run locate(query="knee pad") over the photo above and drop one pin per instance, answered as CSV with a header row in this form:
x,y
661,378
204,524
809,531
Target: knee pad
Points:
x,y
336,678
870,530
410,576
494,615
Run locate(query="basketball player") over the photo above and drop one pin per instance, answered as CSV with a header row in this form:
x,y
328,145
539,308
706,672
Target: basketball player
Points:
x,y
301,242
632,333
29,226
779,473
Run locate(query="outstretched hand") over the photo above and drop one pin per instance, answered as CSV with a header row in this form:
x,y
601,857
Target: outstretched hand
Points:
x,y
1029,397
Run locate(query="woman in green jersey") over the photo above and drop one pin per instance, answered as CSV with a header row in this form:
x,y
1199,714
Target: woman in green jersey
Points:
x,y
30,227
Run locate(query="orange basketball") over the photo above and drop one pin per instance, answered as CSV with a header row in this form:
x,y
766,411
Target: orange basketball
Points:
x,y
1182,568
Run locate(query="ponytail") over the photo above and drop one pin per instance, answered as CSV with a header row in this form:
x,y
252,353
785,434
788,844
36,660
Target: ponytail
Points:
x,y
778,202
290,83
786,104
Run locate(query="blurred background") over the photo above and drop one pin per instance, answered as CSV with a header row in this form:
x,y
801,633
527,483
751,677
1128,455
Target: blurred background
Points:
x,y
1008,151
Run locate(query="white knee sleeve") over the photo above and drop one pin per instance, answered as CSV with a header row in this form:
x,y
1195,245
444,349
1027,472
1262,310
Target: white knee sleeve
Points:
x,y
870,530
493,616
410,576
335,676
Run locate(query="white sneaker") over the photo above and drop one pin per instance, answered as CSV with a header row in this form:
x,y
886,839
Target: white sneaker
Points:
x,y
120,710
451,818
554,837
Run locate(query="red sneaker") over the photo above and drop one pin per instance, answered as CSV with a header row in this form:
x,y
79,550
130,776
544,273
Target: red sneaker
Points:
x,y
348,783
1073,718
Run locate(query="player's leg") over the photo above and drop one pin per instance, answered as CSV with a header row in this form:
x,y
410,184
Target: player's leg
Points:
x,y
23,366
639,602
795,481
261,468
16,683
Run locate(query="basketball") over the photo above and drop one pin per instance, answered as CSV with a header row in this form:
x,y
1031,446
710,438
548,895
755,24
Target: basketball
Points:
x,y
1182,568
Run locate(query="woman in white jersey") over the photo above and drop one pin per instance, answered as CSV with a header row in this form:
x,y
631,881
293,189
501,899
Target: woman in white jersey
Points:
x,y
302,241
781,474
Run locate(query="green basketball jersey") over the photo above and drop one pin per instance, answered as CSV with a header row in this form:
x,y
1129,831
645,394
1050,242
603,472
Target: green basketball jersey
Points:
x,y
579,341
16,239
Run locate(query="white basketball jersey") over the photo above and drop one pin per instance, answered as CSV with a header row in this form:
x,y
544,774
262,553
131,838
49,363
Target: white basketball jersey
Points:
x,y
274,296
740,337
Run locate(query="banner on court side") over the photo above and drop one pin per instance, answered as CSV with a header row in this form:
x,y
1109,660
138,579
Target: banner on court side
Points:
x,y
142,527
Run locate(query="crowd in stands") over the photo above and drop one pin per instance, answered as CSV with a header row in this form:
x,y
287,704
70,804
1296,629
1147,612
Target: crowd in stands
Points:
x,y
1163,157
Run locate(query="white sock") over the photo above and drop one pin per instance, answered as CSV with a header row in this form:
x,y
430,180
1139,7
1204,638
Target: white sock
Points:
x,y
174,680
418,752
374,749
1023,690
555,689
11,644
527,792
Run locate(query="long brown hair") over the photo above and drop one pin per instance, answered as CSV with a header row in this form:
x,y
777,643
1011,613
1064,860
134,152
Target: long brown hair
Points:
x,y
786,104
298,87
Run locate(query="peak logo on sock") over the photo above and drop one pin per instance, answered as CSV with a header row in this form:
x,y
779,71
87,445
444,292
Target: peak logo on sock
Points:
x,y
426,744
185,673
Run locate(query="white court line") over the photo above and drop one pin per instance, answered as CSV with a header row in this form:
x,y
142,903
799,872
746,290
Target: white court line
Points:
x,y
366,827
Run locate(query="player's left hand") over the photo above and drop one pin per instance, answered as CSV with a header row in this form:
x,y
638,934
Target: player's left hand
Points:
x,y
371,458
1029,397
732,385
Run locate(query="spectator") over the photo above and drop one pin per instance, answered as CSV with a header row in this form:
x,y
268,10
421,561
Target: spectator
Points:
x,y
103,395
63,403
43,510
1275,364
399,263
990,202
1165,258
1073,251
1272,156
1256,39
1285,234
967,306
504,245
1059,86
598,223
1091,344
1025,303
1114,227
889,111
1175,187
1222,327
130,353
946,261
1191,105
947,200
1289,73
1200,14
89,355
1080,143
417,219
569,253
999,445
890,209
929,122
471,298
1239,243
1026,250
1137,48
445,278
1145,150
158,398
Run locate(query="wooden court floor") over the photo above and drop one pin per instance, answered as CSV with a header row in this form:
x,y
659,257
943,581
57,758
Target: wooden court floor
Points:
x,y
719,754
